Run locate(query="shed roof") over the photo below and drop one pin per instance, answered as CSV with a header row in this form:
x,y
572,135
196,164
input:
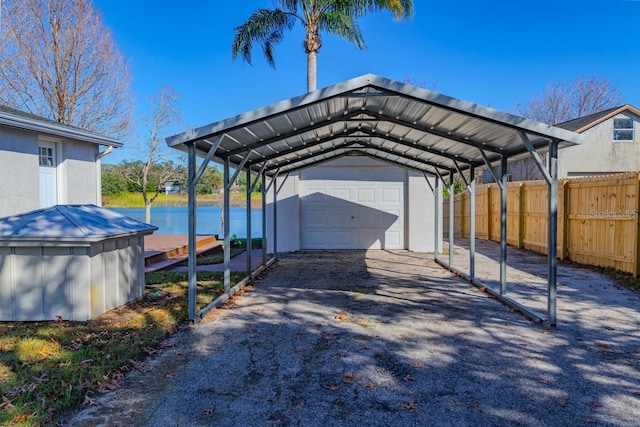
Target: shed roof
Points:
x,y
372,116
70,223
21,120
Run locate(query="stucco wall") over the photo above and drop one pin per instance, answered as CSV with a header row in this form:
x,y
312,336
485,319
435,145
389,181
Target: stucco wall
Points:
x,y
18,172
420,213
599,154
77,173
288,214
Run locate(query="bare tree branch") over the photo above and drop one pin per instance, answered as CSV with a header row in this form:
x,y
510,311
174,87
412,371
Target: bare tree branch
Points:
x,y
154,173
58,60
561,102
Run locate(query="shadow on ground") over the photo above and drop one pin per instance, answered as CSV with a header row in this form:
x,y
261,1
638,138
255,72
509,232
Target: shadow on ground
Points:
x,y
386,338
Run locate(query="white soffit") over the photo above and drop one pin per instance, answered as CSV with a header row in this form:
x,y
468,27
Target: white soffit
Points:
x,y
372,116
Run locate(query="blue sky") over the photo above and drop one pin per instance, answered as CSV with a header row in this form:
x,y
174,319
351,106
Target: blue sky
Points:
x,y
497,55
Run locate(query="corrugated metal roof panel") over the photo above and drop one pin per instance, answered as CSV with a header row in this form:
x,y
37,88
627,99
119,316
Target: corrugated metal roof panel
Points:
x,y
390,116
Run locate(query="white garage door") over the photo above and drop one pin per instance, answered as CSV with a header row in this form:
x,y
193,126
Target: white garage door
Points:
x,y
352,208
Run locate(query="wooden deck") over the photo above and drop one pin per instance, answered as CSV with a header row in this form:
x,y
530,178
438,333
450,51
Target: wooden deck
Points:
x,y
164,250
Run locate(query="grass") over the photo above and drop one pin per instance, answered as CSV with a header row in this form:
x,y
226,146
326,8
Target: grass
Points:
x,y
216,255
134,200
47,368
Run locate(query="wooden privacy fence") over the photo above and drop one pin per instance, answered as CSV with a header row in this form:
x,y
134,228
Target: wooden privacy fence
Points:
x,y
597,218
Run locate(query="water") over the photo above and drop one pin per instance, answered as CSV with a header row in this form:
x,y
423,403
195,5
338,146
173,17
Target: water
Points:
x,y
175,220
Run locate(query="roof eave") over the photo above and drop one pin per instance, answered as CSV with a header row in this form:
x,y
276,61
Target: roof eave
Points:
x,y
25,123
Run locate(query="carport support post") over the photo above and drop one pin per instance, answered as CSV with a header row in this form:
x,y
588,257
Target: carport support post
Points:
x,y
264,218
275,216
436,217
191,297
227,238
552,258
249,244
451,218
472,224
503,226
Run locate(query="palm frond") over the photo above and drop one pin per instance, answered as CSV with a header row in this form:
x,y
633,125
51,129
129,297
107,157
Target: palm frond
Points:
x,y
344,27
264,27
400,9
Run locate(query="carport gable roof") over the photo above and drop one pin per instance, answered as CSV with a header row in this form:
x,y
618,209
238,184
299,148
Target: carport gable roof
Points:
x,y
373,116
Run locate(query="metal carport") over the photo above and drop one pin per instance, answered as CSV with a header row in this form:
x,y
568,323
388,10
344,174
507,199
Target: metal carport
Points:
x,y
401,124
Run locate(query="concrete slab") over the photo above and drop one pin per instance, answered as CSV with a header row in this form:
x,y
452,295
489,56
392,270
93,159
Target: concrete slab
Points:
x,y
381,338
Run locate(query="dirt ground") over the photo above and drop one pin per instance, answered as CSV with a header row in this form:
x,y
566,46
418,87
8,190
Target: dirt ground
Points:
x,y
391,338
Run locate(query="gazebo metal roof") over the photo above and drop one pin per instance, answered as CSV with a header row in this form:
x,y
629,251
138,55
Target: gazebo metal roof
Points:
x,y
373,116
64,224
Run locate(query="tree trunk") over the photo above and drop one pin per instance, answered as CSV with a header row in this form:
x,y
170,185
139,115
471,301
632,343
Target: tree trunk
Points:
x,y
312,72
147,212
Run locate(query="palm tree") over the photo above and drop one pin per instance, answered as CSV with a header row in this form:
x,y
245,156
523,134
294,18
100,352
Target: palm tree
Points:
x,y
267,26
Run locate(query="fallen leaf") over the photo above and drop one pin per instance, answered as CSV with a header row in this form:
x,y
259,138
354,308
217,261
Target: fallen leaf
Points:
x,y
564,402
594,404
332,387
368,385
410,405
89,401
350,378
168,376
543,381
432,350
232,372
149,350
6,403
417,365
408,378
341,317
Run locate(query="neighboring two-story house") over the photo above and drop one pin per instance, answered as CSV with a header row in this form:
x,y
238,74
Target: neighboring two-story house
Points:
x,y
612,144
45,163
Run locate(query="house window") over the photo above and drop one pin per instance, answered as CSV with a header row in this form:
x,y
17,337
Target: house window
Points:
x,y
46,156
623,129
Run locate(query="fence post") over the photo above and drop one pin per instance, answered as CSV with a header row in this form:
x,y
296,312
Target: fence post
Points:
x,y
488,211
461,202
520,242
636,266
564,220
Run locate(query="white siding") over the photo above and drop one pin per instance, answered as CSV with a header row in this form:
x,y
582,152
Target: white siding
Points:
x,y
74,283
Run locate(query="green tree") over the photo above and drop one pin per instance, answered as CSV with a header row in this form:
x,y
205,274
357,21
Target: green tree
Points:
x,y
210,181
266,27
112,180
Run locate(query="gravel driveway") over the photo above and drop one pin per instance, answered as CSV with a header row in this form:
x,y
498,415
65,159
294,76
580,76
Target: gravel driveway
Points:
x,y
379,338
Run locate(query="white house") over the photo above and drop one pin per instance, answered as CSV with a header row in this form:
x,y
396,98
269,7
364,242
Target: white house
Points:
x,y
45,163
612,144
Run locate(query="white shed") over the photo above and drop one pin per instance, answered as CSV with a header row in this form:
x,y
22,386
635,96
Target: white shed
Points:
x,y
71,262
